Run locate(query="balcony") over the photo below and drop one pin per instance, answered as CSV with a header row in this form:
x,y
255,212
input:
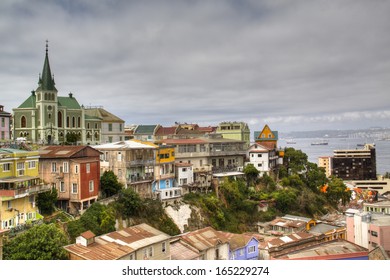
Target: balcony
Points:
x,y
134,179
140,162
23,192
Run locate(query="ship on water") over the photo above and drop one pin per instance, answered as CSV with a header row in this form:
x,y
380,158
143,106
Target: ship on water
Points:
x,y
321,142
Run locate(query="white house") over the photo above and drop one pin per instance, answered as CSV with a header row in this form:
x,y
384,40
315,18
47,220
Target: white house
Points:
x,y
259,156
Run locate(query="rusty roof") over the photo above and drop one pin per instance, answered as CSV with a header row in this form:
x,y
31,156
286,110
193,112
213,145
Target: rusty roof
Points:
x,y
62,151
88,234
181,251
117,244
204,238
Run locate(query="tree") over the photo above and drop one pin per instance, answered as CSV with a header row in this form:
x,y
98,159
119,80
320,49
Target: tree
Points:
x,y
72,138
337,192
129,203
98,218
251,173
46,201
295,161
286,200
109,184
42,242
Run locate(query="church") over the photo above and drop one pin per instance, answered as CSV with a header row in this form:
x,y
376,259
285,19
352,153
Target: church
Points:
x,y
46,118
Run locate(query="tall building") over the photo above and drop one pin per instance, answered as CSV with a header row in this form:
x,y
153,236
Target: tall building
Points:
x,y
47,118
355,164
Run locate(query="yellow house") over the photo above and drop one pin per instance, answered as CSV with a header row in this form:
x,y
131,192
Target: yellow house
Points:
x,y
19,184
267,137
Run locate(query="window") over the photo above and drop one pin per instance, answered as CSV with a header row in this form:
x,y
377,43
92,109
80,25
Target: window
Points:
x,y
110,127
109,139
374,233
91,186
88,167
6,167
32,164
119,155
65,167
259,165
251,249
259,155
242,252
148,252
9,204
2,122
53,167
62,186
163,247
20,166
76,169
167,183
23,122
74,188
2,135
120,127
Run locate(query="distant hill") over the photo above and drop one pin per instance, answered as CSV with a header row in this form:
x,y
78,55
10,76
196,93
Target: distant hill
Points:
x,y
376,133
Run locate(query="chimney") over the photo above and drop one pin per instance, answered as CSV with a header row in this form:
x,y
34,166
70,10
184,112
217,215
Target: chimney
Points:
x,y
70,95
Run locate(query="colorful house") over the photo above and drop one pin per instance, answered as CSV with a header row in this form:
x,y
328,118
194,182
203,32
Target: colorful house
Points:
x,y
242,246
267,137
75,172
19,185
140,242
164,174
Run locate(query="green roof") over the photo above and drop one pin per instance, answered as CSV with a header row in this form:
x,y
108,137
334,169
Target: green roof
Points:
x,y
46,81
145,129
29,102
68,102
88,117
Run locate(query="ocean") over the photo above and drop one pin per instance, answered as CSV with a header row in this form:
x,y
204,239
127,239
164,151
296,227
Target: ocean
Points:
x,y
314,151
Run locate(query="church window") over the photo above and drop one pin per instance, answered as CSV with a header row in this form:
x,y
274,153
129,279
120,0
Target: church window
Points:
x,y
49,116
78,122
67,122
73,122
23,122
87,125
39,96
59,119
45,95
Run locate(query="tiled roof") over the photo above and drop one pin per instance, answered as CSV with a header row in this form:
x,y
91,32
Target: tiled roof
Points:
x,y
237,241
204,239
118,244
102,114
61,151
166,131
180,251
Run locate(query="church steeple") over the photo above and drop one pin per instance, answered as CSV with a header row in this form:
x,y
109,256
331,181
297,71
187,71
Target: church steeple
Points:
x,y
46,80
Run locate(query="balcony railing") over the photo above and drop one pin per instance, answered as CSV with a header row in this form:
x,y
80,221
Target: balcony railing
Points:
x,y
23,192
136,179
142,162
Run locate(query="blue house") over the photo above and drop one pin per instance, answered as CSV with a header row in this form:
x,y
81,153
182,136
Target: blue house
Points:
x,y
242,246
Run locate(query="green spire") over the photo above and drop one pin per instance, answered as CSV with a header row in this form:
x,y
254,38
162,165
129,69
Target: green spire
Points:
x,y
46,81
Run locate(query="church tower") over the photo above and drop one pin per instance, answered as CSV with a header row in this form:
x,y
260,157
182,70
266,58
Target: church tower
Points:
x,y
46,117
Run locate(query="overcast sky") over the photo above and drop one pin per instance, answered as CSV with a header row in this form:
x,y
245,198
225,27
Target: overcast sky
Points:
x,y
294,65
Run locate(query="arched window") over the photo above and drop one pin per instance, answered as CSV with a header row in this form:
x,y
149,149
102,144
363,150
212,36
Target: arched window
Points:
x,y
23,122
73,122
87,125
78,122
67,122
59,119
88,135
45,95
97,136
